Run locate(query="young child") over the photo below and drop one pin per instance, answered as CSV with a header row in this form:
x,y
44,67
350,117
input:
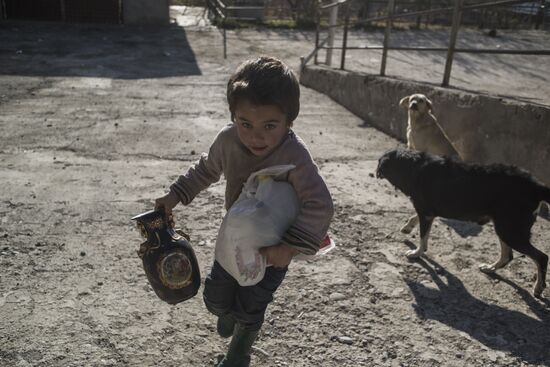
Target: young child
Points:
x,y
264,99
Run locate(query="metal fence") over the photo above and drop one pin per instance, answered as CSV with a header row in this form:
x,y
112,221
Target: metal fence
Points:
x,y
457,10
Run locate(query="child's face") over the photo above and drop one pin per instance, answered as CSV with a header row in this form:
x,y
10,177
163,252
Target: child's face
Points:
x,y
260,127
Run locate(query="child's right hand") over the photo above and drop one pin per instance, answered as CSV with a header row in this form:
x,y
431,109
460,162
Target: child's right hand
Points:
x,y
167,203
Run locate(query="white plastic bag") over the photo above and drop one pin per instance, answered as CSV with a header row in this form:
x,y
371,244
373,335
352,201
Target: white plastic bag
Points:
x,y
259,218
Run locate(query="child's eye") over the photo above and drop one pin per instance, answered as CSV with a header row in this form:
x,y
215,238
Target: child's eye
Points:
x,y
246,125
270,126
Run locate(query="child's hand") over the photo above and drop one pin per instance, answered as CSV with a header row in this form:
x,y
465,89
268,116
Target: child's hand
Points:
x,y
278,255
167,202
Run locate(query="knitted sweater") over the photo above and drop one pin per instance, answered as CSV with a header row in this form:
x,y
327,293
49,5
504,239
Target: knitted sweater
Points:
x,y
229,156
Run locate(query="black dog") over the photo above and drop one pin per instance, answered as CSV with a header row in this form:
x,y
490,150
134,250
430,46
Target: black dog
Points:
x,y
443,187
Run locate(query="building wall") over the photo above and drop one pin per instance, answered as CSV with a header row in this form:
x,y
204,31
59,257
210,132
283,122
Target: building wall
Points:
x,y
73,11
154,12
482,128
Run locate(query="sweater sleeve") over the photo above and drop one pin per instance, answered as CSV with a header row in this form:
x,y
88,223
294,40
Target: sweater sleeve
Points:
x,y
206,171
316,207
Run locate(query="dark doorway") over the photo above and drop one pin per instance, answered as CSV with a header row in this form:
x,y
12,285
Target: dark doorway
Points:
x,y
78,11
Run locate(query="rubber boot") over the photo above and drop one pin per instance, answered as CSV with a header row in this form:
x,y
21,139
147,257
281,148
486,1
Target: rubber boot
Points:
x,y
238,354
225,325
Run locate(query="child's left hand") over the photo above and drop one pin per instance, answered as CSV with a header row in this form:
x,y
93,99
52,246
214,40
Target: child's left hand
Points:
x,y
278,255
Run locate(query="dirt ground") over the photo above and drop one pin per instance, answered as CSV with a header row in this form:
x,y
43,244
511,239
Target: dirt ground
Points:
x,y
97,121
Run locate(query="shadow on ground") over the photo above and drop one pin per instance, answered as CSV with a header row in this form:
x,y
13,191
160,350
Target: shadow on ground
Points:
x,y
118,52
463,229
496,327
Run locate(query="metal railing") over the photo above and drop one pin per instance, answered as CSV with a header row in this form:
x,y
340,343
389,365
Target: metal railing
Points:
x,y
222,12
457,10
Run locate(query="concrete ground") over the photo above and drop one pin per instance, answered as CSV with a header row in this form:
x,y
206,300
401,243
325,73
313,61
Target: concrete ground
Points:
x,y
97,121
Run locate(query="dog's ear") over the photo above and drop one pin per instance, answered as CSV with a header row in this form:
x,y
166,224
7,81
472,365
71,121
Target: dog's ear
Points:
x,y
404,102
430,105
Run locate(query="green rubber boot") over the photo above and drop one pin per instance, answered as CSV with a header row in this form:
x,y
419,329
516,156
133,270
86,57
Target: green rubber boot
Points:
x,y
238,354
225,325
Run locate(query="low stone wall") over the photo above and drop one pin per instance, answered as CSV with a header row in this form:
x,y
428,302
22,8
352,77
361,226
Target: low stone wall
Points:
x,y
483,129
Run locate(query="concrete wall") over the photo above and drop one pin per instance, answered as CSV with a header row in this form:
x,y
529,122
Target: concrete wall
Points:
x,y
483,129
154,12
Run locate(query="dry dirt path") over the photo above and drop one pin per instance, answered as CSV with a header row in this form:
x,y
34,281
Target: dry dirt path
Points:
x,y
97,121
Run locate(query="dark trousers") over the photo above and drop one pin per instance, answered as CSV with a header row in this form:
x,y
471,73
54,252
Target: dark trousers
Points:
x,y
222,295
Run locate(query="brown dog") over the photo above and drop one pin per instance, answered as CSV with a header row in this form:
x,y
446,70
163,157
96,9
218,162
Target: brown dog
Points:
x,y
423,131
424,134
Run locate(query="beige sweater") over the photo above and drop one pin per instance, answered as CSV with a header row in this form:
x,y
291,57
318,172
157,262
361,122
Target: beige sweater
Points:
x,y
229,156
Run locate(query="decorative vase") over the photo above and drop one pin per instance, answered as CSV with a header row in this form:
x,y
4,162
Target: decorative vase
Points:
x,y
168,258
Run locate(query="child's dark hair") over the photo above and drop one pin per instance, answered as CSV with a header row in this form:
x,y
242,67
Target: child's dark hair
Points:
x,y
265,81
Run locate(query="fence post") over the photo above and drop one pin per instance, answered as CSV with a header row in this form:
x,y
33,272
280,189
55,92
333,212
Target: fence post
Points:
x,y
387,37
224,43
332,26
345,40
317,31
457,14
539,18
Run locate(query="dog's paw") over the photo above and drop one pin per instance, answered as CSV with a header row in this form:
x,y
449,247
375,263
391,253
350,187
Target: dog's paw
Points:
x,y
406,229
413,254
487,269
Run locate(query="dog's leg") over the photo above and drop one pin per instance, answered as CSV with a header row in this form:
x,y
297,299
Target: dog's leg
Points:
x,y
541,261
542,210
542,267
506,255
516,233
411,223
425,226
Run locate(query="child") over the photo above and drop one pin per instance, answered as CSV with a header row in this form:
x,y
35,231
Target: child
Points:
x,y
264,99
